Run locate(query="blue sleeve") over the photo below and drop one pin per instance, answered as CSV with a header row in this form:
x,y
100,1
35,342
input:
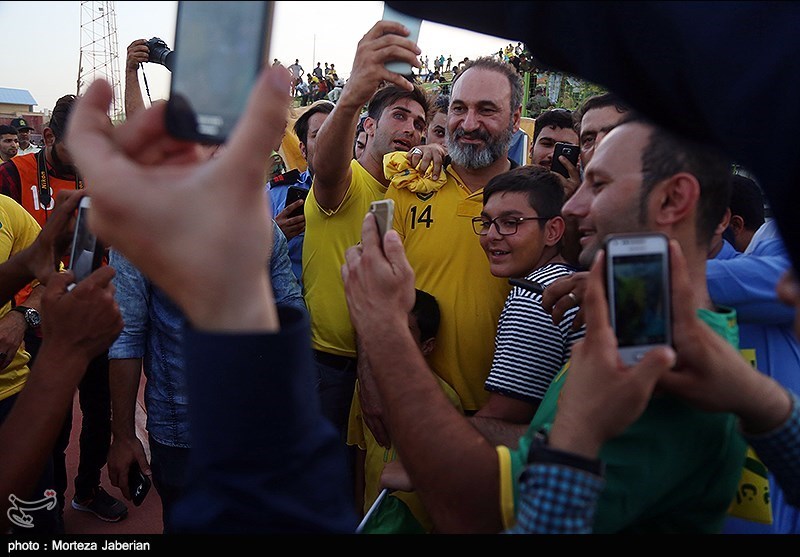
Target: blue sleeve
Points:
x,y
132,295
747,284
277,198
264,459
556,499
285,286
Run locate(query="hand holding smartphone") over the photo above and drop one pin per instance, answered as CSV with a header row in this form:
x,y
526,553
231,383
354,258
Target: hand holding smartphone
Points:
x,y
138,484
568,150
413,24
294,193
638,289
86,254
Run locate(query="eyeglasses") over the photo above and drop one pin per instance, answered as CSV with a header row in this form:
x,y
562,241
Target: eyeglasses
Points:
x,y
506,226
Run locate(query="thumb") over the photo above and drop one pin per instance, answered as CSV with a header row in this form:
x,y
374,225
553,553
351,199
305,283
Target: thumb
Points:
x,y
655,364
395,252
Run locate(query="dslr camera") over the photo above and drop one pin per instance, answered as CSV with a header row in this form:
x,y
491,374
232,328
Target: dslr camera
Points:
x,y
160,53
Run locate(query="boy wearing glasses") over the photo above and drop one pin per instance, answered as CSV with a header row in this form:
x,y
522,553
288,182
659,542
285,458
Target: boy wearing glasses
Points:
x,y
520,229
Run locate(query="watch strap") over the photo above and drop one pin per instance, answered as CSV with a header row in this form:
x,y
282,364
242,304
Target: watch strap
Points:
x,y
541,451
24,311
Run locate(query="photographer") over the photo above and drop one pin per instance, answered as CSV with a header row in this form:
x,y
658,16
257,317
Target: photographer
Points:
x,y
141,51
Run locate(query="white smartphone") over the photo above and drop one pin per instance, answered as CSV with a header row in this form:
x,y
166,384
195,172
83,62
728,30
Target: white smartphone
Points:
x,y
384,215
638,289
412,24
86,254
220,48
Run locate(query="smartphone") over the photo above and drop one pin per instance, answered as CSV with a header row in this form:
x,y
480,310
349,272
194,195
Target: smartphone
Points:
x,y
384,213
412,24
86,254
530,285
568,150
638,289
138,484
293,193
220,48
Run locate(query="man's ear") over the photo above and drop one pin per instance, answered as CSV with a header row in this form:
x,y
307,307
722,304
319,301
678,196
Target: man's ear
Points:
x,y
303,151
369,126
49,137
737,224
674,199
427,346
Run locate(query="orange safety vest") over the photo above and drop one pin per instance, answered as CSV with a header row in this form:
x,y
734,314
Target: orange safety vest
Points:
x,y
29,182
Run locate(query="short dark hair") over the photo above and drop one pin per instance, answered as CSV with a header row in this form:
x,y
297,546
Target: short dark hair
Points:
x,y
667,154
301,125
6,129
598,101
60,116
426,310
390,94
440,104
545,193
556,117
747,201
503,68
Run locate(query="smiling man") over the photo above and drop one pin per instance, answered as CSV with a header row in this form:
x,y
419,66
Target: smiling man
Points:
x,y
436,224
675,469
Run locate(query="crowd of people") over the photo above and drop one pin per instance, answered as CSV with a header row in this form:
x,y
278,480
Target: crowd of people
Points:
x,y
304,372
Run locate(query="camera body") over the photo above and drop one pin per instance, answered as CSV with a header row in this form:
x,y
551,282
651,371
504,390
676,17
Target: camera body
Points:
x,y
160,53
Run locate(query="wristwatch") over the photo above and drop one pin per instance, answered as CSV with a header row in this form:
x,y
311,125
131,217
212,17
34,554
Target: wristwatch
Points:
x,y
32,317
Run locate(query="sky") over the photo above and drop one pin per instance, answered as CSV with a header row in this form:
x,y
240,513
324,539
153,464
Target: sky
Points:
x,y
45,60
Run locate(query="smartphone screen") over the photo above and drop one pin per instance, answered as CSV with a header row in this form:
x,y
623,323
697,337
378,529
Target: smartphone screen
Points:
x,y
568,150
220,48
639,293
86,254
384,214
412,24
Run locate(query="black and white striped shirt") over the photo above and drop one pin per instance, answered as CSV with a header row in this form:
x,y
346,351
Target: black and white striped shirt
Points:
x,y
529,349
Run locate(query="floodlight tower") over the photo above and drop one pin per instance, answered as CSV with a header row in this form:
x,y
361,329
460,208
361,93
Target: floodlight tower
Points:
x,y
98,56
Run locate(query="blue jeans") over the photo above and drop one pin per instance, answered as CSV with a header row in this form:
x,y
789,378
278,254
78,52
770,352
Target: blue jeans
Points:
x,y
169,466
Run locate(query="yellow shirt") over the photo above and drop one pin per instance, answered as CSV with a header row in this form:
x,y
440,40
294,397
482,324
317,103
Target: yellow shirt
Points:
x,y
377,457
328,235
18,230
450,264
